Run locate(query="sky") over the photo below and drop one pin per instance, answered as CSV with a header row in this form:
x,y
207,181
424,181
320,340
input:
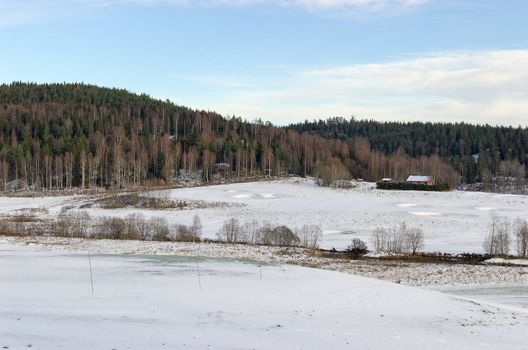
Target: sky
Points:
x,y
284,61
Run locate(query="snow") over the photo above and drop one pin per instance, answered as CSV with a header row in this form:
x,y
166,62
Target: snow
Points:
x,y
418,178
155,302
520,262
507,295
453,222
412,274
15,204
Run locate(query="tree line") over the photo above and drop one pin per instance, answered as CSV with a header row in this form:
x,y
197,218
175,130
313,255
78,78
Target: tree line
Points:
x,y
79,224
57,136
478,153
60,136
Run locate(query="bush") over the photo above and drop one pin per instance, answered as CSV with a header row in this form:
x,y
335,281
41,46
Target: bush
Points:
x,y
183,233
330,171
110,228
136,227
356,248
282,236
411,187
266,234
160,229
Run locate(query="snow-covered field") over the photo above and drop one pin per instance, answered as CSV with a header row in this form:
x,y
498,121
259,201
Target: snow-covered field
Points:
x,y
155,295
408,273
452,221
156,302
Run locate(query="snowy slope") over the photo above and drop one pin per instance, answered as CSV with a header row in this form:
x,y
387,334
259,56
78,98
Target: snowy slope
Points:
x,y
145,302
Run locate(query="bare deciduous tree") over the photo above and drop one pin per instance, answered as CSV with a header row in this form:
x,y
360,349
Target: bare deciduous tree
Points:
x,y
196,228
521,237
309,235
414,239
497,241
230,231
398,239
249,232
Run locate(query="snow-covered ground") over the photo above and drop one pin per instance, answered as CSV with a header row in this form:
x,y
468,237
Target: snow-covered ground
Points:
x,y
155,302
10,205
452,221
515,295
518,262
408,273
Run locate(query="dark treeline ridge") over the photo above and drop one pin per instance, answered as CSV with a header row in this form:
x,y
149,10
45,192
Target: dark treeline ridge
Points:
x,y
479,153
57,136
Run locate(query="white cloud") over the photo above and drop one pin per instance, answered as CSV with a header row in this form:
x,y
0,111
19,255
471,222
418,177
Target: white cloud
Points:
x,y
13,12
481,87
352,4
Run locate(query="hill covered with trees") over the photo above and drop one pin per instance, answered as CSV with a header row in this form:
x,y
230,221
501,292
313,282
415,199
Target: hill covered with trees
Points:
x,y
57,136
479,153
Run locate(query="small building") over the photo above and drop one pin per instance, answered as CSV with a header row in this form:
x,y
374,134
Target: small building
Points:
x,y
387,179
420,179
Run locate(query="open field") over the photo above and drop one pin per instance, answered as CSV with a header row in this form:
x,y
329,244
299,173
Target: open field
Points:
x,y
452,222
207,295
156,302
401,272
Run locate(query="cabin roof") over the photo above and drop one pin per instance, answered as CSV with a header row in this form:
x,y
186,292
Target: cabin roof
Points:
x,y
418,178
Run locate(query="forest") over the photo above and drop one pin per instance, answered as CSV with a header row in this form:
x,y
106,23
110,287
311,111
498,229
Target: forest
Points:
x,y
61,136
479,153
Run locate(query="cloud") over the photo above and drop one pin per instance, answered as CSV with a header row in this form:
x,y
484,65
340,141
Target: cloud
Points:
x,y
352,4
479,87
14,12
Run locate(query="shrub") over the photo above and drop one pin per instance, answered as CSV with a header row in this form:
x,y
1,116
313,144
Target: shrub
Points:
x,y
412,187
283,236
356,248
183,233
330,171
160,229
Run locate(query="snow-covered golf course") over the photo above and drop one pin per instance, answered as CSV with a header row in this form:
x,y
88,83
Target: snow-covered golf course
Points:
x,y
148,302
452,222
156,295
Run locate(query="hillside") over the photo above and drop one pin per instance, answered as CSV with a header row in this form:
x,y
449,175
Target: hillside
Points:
x,y
480,153
57,136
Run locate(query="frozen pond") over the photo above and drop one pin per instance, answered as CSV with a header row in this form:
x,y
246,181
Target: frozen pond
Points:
x,y
514,295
